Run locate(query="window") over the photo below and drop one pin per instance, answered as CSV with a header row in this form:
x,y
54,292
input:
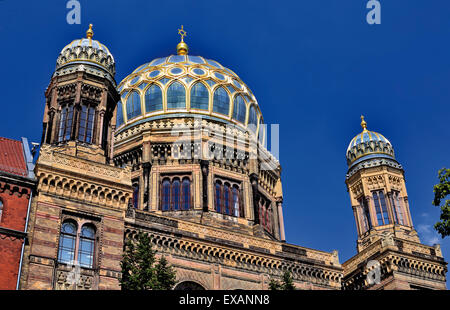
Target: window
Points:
x,y
364,215
176,193
236,201
119,119
133,105
65,123
380,207
165,195
239,109
186,192
67,240
221,101
219,197
399,217
86,124
252,118
262,130
265,214
153,99
227,198
135,193
73,249
176,96
86,246
199,97
175,197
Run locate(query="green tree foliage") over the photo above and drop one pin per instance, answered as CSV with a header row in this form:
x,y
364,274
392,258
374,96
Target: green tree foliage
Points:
x,y
441,191
287,283
139,271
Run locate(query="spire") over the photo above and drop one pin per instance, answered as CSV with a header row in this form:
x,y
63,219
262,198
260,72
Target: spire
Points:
x,y
363,123
182,48
89,32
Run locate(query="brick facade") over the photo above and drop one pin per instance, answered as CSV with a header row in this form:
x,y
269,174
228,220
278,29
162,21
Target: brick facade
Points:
x,y
16,186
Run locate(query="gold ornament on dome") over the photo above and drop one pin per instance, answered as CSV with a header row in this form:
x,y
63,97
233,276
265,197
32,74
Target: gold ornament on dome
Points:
x,y
182,48
89,32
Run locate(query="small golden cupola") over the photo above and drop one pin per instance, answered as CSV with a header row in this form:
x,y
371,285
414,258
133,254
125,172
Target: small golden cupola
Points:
x,y
86,51
368,145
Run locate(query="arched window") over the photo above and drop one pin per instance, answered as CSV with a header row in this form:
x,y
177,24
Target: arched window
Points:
x,y
364,215
67,241
261,131
119,119
381,208
227,199
176,194
221,101
176,96
265,214
135,185
65,123
252,118
199,97
133,105
239,109
188,286
175,197
86,246
186,188
398,209
218,197
153,99
236,202
165,195
86,127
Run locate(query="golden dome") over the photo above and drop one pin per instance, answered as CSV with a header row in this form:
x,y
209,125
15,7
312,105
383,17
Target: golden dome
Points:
x,y
186,85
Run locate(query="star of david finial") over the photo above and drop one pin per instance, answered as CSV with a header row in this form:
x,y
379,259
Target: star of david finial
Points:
x,y
182,33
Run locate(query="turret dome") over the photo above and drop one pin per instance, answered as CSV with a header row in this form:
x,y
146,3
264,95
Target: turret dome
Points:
x,y
86,51
367,145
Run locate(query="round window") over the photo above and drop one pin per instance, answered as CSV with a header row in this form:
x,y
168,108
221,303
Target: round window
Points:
x,y
198,71
176,71
154,74
219,76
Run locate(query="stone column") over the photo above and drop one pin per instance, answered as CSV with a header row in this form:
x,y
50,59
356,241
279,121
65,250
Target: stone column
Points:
x,y
99,125
204,166
406,208
281,220
372,212
146,175
254,183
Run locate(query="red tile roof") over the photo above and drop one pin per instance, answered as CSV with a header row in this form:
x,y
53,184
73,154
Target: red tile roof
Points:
x,y
12,159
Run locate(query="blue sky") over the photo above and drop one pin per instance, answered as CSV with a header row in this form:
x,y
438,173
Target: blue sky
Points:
x,y
314,66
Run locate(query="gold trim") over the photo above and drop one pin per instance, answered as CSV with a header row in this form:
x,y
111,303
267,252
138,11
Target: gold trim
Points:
x,y
89,32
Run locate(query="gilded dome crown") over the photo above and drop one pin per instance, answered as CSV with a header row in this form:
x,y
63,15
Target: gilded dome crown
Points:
x,y
367,145
87,51
186,85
